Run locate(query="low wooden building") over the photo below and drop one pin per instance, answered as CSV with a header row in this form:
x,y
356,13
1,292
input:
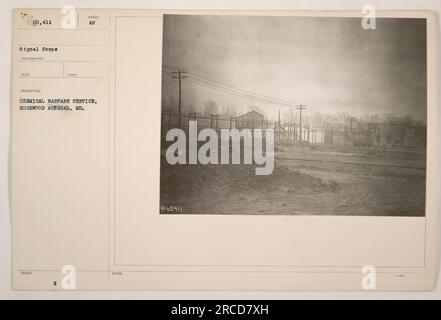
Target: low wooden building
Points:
x,y
251,120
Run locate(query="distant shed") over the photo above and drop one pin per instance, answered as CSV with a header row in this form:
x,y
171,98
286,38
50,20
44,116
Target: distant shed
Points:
x,y
250,120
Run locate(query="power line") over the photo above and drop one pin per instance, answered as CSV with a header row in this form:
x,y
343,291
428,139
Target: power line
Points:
x,y
217,84
244,91
235,93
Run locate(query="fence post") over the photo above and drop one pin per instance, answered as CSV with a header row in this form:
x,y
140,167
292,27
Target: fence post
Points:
x,y
295,132
291,133
164,113
284,131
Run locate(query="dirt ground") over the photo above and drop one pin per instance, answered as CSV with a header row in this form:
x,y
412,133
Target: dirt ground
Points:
x,y
307,180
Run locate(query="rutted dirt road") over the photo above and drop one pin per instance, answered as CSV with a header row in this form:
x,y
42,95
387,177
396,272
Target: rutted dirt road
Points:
x,y
305,181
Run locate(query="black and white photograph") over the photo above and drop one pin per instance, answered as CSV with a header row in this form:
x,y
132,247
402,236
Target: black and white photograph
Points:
x,y
275,115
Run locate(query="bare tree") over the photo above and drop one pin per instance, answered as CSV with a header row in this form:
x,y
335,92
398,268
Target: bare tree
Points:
x,y
229,111
210,107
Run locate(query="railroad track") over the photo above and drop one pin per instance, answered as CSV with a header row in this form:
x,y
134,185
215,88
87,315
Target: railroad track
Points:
x,y
352,163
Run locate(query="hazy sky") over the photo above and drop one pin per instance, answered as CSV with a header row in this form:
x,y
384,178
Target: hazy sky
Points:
x,y
331,64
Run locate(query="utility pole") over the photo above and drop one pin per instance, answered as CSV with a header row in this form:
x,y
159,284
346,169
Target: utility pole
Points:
x,y
179,75
352,119
300,107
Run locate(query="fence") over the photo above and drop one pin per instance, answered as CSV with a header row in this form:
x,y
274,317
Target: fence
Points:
x,y
372,135
283,131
